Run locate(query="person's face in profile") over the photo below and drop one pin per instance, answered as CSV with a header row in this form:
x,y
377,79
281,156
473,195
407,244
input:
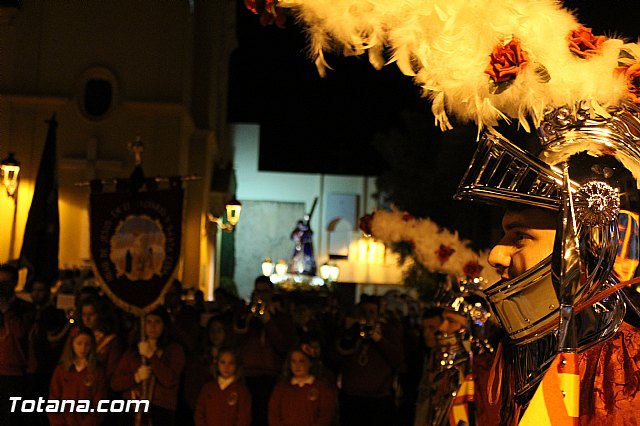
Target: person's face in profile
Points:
x,y
429,328
528,239
452,322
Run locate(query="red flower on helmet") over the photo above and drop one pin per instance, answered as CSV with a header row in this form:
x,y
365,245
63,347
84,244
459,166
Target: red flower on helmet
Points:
x,y
507,60
268,11
444,253
472,269
365,224
632,78
584,44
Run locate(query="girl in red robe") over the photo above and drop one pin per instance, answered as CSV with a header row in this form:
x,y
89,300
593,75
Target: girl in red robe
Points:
x,y
79,378
151,370
93,314
225,401
300,399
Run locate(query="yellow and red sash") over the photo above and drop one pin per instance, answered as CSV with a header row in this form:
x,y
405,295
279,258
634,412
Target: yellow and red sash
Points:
x,y
557,399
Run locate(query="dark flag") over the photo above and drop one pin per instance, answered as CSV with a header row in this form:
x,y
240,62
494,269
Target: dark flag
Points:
x,y
42,233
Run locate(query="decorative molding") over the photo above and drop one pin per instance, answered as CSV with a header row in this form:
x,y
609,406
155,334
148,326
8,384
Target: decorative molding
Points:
x,y
46,100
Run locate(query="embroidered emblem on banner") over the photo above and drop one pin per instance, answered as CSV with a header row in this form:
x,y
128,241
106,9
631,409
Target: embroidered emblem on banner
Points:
x,y
135,244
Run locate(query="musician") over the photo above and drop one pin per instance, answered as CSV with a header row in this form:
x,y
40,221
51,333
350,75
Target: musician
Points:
x,y
46,342
16,320
372,352
264,335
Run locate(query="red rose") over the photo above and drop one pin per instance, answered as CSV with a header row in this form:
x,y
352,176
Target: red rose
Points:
x,y
444,253
274,15
632,78
268,12
507,61
472,269
256,6
584,44
406,217
365,223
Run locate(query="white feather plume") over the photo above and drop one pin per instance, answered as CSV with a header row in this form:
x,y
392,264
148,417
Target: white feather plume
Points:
x,y
445,45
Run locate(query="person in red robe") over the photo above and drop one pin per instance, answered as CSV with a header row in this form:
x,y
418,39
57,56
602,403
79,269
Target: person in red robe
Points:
x,y
300,398
80,378
16,320
93,314
152,369
224,401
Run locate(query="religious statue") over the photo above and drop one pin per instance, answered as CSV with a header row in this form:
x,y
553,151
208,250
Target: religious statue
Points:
x,y
302,260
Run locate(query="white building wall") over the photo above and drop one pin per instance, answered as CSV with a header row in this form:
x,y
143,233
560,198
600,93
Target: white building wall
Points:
x,y
258,185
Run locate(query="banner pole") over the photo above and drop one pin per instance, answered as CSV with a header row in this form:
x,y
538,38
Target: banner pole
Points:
x,y
145,383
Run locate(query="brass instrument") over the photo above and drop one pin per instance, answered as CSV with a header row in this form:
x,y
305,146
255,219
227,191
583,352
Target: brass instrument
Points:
x,y
258,307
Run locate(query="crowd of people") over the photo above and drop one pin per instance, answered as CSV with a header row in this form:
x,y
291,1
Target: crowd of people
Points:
x,y
281,358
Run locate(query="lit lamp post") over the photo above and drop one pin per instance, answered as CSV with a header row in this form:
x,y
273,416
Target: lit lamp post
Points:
x,y
267,267
329,272
10,168
281,267
233,208
9,171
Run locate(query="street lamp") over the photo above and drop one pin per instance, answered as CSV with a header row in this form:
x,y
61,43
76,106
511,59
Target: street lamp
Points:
x,y
329,272
281,267
10,168
233,208
267,267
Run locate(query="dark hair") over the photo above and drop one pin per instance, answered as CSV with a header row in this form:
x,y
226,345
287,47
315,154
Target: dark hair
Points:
x,y
368,298
432,312
11,270
312,336
46,283
263,279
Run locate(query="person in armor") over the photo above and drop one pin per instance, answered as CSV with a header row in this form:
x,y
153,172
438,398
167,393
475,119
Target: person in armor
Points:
x,y
566,300
557,259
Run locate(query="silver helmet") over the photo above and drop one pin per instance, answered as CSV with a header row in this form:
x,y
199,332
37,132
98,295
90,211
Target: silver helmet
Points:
x,y
596,153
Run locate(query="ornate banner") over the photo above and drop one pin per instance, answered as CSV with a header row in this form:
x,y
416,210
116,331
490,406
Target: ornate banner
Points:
x,y
135,244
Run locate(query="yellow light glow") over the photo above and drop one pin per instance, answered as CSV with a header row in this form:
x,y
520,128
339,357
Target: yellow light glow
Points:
x,y
267,267
10,178
281,267
234,208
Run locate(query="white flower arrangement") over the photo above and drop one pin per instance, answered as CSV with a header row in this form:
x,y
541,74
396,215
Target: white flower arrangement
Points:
x,y
436,248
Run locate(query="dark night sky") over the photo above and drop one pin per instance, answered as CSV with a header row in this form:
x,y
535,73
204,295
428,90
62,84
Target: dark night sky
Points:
x,y
327,125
